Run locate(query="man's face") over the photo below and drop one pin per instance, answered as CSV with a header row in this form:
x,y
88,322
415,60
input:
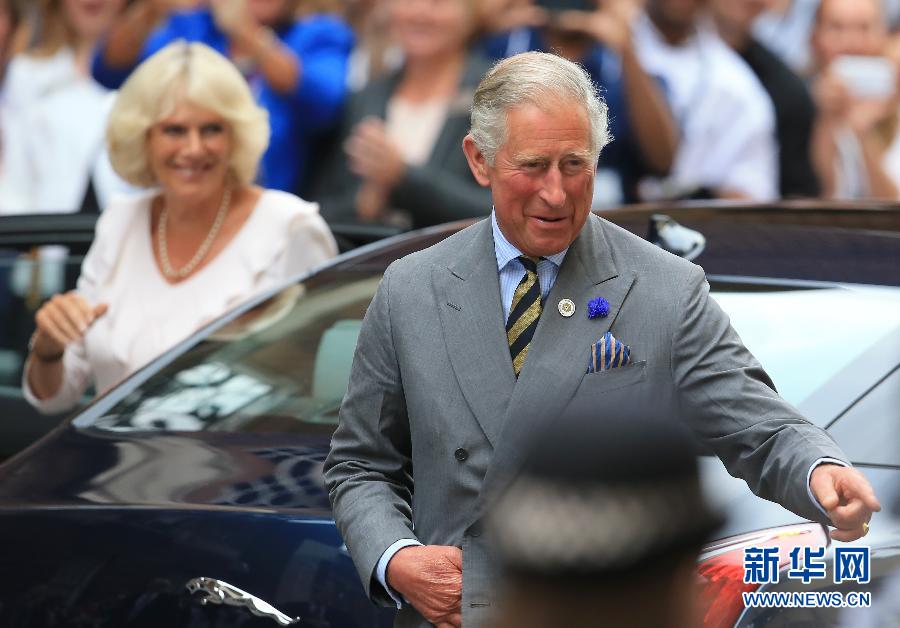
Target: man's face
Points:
x,y
542,179
848,27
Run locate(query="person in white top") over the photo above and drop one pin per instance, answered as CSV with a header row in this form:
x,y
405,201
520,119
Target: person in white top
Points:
x,y
728,147
171,259
784,27
54,114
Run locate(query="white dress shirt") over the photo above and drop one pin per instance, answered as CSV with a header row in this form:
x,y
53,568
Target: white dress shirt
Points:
x,y
725,116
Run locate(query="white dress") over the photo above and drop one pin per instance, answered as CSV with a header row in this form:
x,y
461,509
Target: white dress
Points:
x,y
282,237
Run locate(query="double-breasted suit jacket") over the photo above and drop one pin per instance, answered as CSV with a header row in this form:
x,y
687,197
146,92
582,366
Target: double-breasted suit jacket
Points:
x,y
434,417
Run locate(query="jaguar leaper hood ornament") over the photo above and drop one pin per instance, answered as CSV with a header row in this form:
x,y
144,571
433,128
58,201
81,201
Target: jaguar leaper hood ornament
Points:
x,y
217,592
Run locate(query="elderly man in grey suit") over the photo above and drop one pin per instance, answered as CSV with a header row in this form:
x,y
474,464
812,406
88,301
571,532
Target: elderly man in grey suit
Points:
x,y
469,344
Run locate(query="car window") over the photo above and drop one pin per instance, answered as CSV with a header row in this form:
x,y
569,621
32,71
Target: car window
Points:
x,y
280,367
285,365
869,432
26,281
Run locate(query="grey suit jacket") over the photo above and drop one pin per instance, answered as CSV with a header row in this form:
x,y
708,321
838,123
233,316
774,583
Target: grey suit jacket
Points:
x,y
432,374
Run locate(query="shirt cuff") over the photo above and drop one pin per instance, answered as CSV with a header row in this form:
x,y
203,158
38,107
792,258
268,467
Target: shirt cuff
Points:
x,y
381,567
809,478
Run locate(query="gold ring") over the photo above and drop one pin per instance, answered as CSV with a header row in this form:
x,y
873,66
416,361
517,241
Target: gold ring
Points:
x,y
865,529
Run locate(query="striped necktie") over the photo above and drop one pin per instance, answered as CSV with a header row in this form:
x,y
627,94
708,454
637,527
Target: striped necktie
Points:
x,y
524,313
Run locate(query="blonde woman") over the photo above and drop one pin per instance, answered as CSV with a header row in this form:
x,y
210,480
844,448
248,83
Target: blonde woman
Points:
x,y
202,239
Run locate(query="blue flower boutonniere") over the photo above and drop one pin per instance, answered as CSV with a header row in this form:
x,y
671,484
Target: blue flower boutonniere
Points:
x,y
598,308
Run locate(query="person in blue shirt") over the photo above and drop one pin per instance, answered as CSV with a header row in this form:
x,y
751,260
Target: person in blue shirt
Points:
x,y
295,67
644,131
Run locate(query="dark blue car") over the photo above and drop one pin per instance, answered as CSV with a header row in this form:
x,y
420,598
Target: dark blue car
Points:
x,y
192,495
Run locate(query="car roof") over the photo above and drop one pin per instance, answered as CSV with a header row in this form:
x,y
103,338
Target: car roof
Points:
x,y
802,241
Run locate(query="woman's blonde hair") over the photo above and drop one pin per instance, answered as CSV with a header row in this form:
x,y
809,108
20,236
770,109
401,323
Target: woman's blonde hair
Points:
x,y
184,72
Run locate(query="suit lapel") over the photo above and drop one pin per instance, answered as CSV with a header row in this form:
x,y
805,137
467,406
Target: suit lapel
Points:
x,y
468,300
558,357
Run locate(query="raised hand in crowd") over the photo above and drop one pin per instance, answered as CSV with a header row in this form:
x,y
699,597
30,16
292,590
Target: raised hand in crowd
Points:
x,y
294,58
499,16
610,25
396,158
249,31
375,158
838,104
128,35
230,15
252,38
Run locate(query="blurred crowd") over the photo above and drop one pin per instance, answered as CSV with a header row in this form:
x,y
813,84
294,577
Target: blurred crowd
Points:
x,y
368,100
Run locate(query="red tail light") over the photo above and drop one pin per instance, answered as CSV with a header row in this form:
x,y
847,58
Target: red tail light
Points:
x,y
721,567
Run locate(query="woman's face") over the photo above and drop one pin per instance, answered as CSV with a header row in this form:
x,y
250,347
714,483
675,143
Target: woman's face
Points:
x,y
91,18
427,28
189,152
849,27
269,12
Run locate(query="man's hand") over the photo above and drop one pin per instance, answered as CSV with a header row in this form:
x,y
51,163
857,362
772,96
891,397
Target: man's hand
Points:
x,y
430,578
610,25
847,497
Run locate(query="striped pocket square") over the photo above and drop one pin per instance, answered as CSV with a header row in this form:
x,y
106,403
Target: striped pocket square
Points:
x,y
608,353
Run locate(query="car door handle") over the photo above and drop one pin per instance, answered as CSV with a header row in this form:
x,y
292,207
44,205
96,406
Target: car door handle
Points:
x,y
218,592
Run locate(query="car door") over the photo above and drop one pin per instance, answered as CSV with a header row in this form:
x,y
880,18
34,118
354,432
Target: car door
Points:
x,y
40,255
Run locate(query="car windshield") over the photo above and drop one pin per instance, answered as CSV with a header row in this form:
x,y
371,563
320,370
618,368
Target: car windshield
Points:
x,y
284,365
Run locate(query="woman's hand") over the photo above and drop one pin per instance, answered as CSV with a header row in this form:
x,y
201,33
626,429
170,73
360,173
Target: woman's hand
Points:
x,y
62,320
373,155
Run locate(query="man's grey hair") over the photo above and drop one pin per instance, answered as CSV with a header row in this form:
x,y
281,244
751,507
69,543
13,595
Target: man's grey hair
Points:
x,y
535,78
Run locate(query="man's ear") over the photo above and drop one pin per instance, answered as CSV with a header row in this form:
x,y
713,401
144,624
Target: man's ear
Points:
x,y
477,163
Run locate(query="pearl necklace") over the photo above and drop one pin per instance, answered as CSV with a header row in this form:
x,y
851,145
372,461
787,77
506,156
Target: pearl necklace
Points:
x,y
186,270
